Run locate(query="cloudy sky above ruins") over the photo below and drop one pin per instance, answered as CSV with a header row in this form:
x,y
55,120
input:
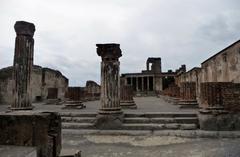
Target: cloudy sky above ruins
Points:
x,y
178,31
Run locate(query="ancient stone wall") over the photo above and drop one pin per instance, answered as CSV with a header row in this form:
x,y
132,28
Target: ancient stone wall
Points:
x,y
90,92
224,95
42,79
224,66
192,75
6,83
54,79
188,90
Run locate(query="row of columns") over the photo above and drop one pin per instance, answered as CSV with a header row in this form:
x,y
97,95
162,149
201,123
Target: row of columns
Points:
x,y
110,114
137,85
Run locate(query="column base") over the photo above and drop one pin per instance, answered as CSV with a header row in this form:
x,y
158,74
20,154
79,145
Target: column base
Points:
x,y
109,120
128,104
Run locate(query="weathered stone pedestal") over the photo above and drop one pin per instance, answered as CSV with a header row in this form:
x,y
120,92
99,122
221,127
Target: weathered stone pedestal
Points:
x,y
29,128
110,115
127,97
23,62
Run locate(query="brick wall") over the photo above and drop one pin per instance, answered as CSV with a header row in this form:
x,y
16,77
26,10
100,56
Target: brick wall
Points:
x,y
126,93
75,93
220,94
173,91
81,94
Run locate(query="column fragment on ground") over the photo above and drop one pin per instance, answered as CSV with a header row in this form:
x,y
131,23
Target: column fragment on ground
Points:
x,y
23,62
110,114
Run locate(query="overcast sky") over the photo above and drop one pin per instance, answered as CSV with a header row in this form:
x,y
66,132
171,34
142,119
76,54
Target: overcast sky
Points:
x,y
179,31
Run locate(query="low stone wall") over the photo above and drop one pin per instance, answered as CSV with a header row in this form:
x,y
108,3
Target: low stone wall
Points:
x,y
29,128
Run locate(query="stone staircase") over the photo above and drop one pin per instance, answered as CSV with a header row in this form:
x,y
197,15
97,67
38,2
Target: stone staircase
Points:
x,y
135,121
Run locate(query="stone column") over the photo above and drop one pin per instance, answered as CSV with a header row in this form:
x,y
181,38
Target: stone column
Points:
x,y
137,87
131,81
110,115
23,62
148,83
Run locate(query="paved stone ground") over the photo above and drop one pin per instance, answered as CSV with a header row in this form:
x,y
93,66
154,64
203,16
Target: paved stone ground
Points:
x,y
144,104
151,146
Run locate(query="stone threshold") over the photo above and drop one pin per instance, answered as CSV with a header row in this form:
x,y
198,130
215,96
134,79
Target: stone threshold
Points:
x,y
177,133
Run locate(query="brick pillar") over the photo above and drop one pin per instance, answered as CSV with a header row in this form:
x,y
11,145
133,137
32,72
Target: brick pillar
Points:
x,y
126,96
110,113
23,62
220,106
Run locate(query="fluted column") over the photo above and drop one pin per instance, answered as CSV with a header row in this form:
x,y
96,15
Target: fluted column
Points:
x,y
23,62
110,113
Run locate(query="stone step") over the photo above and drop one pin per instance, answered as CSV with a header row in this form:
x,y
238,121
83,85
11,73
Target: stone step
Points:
x,y
188,106
160,114
153,126
71,125
78,119
135,126
78,114
186,120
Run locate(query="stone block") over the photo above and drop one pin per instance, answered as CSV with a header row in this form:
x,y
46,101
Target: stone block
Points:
x,y
219,122
28,128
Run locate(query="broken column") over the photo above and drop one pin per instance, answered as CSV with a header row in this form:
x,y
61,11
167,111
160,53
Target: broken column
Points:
x,y
110,115
126,96
23,62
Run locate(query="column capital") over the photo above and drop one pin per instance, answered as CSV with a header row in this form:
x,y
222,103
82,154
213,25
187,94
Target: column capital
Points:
x,y
24,28
109,51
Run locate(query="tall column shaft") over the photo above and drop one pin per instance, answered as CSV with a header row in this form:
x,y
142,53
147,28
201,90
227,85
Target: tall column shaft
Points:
x,y
110,87
110,115
142,78
148,83
110,79
23,62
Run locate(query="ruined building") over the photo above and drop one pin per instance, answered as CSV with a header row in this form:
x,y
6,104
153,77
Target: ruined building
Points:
x,y
88,93
46,83
152,80
216,87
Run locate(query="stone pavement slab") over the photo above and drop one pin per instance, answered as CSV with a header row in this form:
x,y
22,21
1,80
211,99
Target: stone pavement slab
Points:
x,y
17,151
152,146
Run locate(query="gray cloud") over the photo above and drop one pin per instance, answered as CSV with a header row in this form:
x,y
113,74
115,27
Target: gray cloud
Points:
x,y
181,32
